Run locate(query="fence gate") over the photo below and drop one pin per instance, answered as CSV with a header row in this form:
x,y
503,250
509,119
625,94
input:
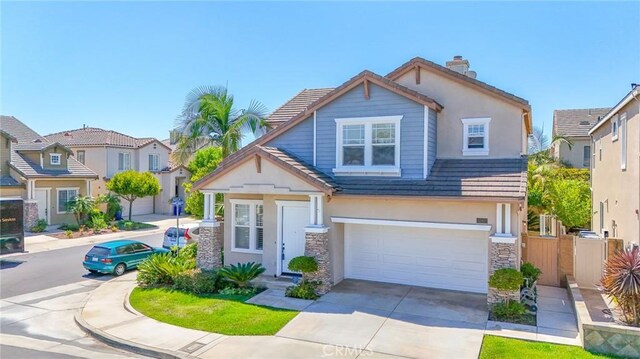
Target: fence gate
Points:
x,y
590,256
542,252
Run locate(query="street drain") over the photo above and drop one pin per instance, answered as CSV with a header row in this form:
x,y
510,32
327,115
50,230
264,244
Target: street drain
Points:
x,y
192,347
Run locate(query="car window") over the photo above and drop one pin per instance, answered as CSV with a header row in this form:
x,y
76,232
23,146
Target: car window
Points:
x,y
171,232
99,251
140,247
124,249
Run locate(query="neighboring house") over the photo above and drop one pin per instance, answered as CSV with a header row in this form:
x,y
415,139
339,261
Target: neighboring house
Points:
x,y
44,173
418,177
575,125
109,152
615,170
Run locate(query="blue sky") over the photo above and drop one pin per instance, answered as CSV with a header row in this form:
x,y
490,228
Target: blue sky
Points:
x,y
128,66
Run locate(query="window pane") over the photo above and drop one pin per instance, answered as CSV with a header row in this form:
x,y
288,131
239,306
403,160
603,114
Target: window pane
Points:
x,y
476,142
242,237
586,156
383,133
81,157
353,156
259,238
259,209
62,201
353,135
383,155
242,214
476,130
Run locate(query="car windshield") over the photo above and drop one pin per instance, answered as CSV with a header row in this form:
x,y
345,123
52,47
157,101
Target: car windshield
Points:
x,y
171,232
99,251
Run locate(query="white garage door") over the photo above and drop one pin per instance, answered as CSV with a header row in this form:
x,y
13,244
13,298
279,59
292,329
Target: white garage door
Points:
x,y
438,258
140,206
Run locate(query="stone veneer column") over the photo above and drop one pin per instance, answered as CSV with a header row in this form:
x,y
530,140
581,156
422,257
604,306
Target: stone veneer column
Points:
x,y
210,244
503,254
30,214
317,246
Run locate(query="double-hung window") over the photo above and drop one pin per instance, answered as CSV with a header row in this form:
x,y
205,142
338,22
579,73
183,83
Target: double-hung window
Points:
x,y
586,156
56,159
154,163
475,141
247,234
124,161
368,146
623,141
81,154
64,196
615,128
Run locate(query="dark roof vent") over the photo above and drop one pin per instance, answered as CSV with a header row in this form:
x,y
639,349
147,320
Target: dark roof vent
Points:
x,y
37,140
584,123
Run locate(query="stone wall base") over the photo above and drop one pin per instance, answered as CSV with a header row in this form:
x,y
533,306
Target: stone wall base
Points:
x,y
317,246
210,244
30,214
502,255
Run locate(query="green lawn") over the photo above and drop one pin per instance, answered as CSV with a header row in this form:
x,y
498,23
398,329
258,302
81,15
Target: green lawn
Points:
x,y
498,347
224,314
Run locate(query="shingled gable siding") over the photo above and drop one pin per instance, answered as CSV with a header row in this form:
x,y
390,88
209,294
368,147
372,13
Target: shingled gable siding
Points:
x,y
298,141
433,144
381,103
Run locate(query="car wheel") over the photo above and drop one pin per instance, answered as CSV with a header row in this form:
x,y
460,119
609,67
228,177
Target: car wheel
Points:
x,y
119,269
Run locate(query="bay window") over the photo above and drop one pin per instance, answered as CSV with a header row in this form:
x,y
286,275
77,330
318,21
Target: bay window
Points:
x,y
247,226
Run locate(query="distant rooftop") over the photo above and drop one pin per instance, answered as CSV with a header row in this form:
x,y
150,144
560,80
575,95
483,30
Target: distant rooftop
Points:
x,y
576,122
94,136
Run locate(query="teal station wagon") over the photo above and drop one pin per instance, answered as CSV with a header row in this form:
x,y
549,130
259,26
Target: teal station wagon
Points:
x,y
118,256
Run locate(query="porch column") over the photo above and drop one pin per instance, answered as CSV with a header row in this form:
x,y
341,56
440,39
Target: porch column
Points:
x,y
503,252
88,182
317,244
211,239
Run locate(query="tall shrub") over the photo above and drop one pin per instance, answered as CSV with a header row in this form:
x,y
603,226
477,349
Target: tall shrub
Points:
x,y
621,282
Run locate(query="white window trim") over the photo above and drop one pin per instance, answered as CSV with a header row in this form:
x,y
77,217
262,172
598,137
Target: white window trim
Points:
x,y
466,122
252,225
624,142
367,169
54,155
615,129
77,189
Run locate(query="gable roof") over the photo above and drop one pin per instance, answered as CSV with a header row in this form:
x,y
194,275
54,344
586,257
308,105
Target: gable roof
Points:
x,y
633,94
576,122
94,136
21,132
419,62
8,135
280,158
296,104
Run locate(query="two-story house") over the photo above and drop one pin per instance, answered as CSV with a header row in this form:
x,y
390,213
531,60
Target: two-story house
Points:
x,y
44,173
615,170
109,152
417,177
574,125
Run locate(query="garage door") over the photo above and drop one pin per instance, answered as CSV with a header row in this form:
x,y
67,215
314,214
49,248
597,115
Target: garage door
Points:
x,y
140,206
438,258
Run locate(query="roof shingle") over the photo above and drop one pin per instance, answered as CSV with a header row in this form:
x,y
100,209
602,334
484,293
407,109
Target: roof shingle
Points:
x,y
295,105
576,122
94,136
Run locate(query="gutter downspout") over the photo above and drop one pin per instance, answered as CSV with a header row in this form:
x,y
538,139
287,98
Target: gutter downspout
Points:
x,y
635,97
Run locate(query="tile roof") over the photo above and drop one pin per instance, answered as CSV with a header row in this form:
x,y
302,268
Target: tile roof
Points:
x,y
476,178
28,168
21,132
6,181
576,122
93,136
295,105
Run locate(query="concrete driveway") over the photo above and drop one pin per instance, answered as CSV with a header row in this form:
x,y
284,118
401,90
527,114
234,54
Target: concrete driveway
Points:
x,y
393,319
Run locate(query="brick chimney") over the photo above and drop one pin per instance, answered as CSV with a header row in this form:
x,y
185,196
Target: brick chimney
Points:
x,y
460,65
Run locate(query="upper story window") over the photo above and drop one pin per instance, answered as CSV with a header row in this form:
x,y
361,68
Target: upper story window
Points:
x,y
80,155
615,128
124,161
154,163
623,142
586,156
56,159
475,141
368,146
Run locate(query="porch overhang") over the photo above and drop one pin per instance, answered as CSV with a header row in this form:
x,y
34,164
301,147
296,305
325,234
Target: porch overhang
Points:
x,y
418,224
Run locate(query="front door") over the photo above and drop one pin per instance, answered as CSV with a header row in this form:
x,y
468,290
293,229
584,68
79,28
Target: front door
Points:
x,y
294,219
42,196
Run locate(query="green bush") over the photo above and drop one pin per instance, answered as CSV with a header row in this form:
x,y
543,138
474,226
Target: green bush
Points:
x,y
41,226
68,234
70,227
162,269
506,279
242,274
306,289
197,281
304,264
98,223
530,272
511,311
190,251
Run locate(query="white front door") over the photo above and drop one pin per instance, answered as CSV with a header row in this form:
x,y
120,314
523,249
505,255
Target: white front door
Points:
x,y
294,217
42,196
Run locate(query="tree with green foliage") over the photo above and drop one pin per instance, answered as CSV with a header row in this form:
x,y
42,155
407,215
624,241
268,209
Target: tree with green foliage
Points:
x,y
131,185
205,161
81,207
570,200
209,118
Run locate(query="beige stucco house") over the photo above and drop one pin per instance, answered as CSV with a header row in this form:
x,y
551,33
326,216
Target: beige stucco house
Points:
x,y
44,173
417,177
615,170
108,152
575,124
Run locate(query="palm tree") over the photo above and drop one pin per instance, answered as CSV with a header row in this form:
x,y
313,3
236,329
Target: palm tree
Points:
x,y
80,206
209,118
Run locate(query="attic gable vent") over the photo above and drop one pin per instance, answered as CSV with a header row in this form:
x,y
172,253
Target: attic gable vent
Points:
x,y
584,123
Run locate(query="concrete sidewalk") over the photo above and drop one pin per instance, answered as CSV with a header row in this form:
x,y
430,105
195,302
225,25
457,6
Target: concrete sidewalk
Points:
x,y
41,242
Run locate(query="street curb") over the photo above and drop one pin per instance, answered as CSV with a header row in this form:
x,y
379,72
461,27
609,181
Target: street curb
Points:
x,y
124,344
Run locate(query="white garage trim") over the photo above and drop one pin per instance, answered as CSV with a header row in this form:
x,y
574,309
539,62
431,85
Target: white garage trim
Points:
x,y
418,224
